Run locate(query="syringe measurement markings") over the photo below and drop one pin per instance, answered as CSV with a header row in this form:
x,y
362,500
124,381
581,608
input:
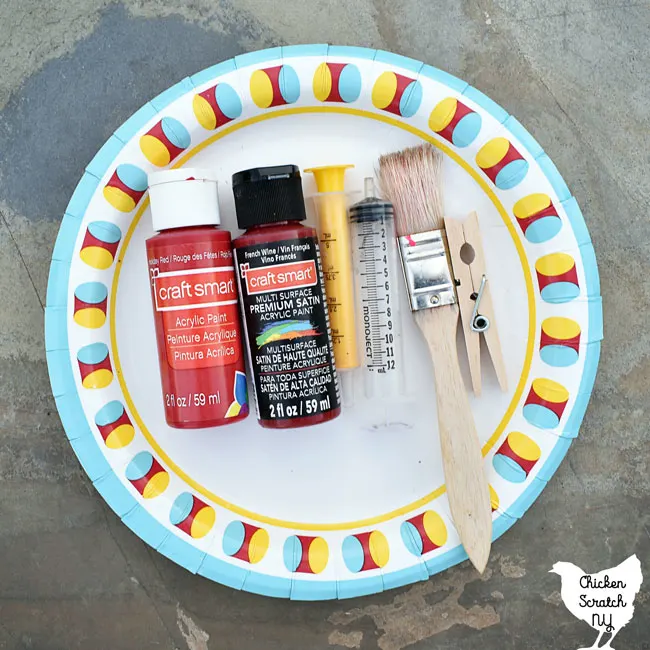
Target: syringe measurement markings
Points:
x,y
372,268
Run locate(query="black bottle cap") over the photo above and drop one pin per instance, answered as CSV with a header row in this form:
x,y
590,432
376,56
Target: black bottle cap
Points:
x,y
371,209
268,195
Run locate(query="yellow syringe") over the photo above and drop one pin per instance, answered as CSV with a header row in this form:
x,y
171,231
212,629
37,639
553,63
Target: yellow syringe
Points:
x,y
336,258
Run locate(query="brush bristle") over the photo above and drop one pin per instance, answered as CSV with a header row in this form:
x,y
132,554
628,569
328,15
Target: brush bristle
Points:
x,y
411,180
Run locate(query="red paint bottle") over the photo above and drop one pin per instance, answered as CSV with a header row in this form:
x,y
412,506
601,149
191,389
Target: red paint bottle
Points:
x,y
283,301
194,296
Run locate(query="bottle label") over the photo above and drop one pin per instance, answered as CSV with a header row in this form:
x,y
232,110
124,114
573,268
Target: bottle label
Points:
x,y
288,329
195,297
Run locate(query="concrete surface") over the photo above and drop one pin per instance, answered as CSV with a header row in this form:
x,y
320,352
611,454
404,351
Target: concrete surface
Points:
x,y
575,73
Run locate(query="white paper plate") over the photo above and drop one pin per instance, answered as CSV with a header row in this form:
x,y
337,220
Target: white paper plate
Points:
x,y
342,509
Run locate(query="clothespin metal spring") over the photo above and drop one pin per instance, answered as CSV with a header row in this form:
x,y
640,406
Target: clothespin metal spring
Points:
x,y
479,323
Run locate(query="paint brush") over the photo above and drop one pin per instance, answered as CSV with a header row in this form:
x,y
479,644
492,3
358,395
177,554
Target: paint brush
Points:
x,y
412,181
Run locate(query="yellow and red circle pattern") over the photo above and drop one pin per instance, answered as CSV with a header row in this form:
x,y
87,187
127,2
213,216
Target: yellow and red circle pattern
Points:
x,y
90,302
275,86
305,554
502,163
100,244
366,551
245,542
424,533
516,457
114,425
397,94
337,82
559,343
147,475
494,499
455,122
125,187
95,366
537,217
216,106
192,515
545,403
557,277
164,142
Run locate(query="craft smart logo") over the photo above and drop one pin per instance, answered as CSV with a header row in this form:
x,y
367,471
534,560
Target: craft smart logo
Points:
x,y
604,600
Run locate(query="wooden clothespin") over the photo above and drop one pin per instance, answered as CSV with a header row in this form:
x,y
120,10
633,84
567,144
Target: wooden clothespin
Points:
x,y
474,298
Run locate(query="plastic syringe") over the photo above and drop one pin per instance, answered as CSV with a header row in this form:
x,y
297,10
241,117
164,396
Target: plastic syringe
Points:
x,y
377,280
336,259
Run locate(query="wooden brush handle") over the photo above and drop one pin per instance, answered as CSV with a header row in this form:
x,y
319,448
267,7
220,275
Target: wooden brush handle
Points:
x,y
467,486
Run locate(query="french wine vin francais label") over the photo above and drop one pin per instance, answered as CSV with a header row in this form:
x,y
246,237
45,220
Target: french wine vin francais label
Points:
x,y
287,323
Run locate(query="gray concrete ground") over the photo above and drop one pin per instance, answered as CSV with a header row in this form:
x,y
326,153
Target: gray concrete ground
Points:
x,y
575,73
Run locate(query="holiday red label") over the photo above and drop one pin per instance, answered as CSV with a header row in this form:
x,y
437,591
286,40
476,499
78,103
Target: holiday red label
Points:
x,y
194,296
195,288
199,315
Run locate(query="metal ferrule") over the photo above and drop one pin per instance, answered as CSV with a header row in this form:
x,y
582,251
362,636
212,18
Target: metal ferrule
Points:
x,y
427,270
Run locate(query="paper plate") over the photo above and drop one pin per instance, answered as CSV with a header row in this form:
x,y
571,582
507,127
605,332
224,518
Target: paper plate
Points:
x,y
346,508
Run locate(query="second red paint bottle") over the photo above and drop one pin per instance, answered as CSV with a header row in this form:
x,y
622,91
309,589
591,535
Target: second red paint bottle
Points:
x,y
283,301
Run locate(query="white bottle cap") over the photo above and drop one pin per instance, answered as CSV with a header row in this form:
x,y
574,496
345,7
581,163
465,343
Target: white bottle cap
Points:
x,y
183,197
